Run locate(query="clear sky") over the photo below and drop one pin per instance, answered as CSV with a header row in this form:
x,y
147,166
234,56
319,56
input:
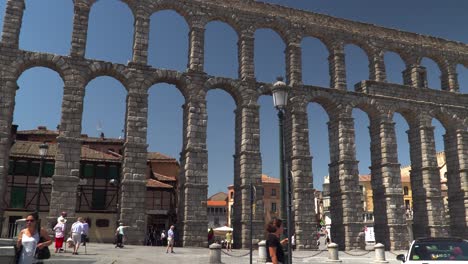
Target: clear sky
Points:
x,y
47,27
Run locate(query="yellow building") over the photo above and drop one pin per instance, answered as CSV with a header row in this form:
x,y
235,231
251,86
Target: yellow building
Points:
x,y
366,187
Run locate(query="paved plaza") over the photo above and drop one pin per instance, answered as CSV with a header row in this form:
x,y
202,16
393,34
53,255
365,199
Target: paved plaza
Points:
x,y
108,254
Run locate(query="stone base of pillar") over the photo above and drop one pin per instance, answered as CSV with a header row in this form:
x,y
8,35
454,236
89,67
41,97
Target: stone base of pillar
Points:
x,y
195,234
398,237
306,235
135,235
257,236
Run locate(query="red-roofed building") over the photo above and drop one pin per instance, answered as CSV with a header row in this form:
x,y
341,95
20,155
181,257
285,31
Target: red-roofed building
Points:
x,y
97,194
217,210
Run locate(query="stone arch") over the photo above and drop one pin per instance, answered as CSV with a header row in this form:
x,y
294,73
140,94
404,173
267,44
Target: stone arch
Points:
x,y
409,113
176,6
368,106
392,57
316,41
448,119
274,25
231,21
227,85
116,71
53,62
131,4
179,80
326,101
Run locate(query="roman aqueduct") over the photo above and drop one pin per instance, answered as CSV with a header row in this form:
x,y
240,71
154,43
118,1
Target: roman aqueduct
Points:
x,y
378,98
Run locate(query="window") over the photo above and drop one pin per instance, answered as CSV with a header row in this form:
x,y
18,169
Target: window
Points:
x,y
102,222
273,192
49,169
216,221
18,197
273,207
405,190
99,200
34,169
114,172
88,171
21,167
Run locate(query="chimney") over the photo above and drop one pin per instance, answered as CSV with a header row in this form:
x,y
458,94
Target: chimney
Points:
x,y
42,128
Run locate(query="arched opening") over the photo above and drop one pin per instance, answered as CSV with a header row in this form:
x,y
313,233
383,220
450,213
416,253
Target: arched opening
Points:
x,y
357,65
39,99
104,41
269,133
221,50
164,137
362,140
102,127
394,66
432,72
315,70
52,35
269,56
168,41
403,151
220,109
37,113
462,72
101,116
318,143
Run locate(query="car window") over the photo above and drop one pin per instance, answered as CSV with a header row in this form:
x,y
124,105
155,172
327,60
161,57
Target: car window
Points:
x,y
439,250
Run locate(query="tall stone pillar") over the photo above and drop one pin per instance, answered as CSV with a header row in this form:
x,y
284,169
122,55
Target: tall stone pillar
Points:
x,y
67,159
8,89
250,172
449,78
80,27
133,184
377,66
415,75
245,52
196,47
195,160
303,195
389,212
141,37
428,207
345,196
293,63
456,155
12,23
337,68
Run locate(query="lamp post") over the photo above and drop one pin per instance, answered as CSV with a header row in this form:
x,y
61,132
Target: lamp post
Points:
x,y
43,148
280,100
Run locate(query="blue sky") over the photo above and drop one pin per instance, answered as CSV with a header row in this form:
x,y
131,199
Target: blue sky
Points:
x,y
48,27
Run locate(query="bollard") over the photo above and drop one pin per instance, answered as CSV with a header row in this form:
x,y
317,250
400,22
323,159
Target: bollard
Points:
x,y
379,249
262,254
333,253
215,253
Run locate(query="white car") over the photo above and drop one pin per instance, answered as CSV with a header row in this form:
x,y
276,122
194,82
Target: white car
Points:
x,y
436,250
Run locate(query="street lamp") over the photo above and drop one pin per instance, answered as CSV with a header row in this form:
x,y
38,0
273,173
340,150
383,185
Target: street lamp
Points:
x,y
280,100
43,148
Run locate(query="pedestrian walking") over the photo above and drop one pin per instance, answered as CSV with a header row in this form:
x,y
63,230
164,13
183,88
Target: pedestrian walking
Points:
x,y
63,215
293,241
210,236
170,239
76,231
84,235
163,238
229,241
119,233
59,230
29,240
275,253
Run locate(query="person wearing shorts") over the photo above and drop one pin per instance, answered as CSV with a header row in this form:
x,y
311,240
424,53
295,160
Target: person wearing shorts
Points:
x,y
170,239
77,230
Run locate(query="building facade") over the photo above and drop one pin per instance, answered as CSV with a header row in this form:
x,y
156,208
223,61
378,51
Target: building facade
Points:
x,y
98,192
217,210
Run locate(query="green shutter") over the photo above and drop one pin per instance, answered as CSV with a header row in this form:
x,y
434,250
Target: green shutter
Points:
x,y
18,197
114,172
88,170
49,169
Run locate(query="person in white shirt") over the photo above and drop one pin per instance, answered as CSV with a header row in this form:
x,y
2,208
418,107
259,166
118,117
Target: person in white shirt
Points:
x,y
120,234
170,239
77,230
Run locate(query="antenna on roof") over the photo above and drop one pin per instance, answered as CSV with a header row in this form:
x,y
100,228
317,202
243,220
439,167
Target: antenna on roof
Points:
x,y
99,127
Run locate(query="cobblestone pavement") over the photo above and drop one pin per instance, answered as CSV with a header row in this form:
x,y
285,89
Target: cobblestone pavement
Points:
x,y
108,254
